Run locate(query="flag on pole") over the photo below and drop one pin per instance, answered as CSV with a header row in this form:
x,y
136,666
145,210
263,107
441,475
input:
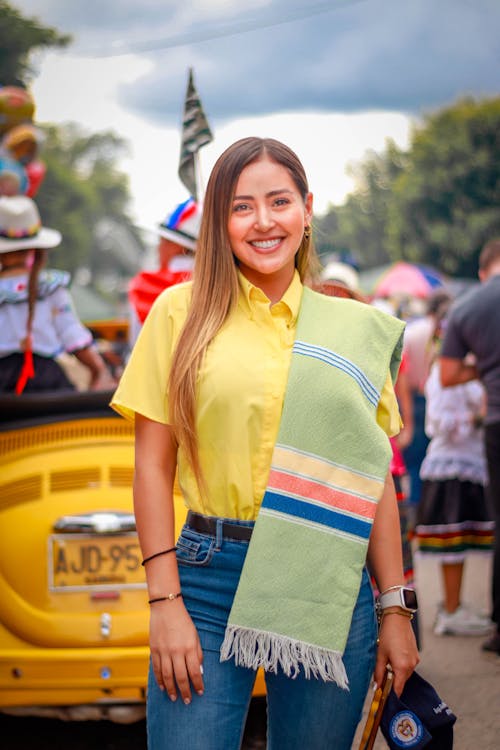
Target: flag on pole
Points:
x,y
195,134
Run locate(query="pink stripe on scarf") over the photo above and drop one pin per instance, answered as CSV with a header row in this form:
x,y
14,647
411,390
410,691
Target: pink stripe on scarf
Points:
x,y
310,490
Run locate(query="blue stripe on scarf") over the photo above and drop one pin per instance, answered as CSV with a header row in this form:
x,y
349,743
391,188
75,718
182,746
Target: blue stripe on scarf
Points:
x,y
310,512
331,358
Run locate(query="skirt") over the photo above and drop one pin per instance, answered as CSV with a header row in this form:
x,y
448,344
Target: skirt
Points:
x,y
49,375
453,517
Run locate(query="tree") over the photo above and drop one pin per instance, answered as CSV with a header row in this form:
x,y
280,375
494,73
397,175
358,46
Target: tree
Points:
x,y
436,203
19,36
83,194
445,203
82,189
359,226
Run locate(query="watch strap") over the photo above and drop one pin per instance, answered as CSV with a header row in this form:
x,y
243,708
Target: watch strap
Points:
x,y
397,596
391,599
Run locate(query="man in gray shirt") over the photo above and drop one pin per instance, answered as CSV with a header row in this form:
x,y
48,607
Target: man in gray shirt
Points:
x,y
474,327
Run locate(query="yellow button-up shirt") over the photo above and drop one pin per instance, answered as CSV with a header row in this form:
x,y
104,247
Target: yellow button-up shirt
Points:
x,y
241,388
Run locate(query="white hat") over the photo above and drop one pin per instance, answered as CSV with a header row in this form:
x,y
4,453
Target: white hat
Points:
x,y
21,227
183,224
343,272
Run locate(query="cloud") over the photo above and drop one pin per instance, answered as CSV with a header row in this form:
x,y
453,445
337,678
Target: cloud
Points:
x,y
340,56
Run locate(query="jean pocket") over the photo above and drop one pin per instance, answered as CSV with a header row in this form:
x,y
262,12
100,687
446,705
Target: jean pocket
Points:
x,y
194,548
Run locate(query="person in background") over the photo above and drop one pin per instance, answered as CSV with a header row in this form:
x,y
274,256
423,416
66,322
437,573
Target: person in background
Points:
x,y
453,516
338,276
274,403
176,246
37,318
474,327
418,355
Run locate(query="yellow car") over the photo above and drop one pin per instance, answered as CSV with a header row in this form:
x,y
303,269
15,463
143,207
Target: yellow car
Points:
x,y
73,604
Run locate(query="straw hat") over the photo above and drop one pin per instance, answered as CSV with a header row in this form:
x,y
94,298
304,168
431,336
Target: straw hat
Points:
x,y
21,227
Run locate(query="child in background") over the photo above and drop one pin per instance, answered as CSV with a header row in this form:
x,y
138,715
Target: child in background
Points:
x,y
453,517
37,318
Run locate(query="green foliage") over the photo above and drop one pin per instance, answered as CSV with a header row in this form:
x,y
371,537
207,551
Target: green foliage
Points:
x,y
445,204
436,203
66,203
83,188
83,194
18,37
359,225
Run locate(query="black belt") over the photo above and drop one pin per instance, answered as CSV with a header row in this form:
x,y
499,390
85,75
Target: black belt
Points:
x,y
208,525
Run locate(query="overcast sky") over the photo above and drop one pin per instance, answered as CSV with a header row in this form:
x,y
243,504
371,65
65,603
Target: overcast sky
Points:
x,y
329,78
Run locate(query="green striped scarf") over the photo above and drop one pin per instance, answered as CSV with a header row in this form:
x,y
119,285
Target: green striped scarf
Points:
x,y
301,577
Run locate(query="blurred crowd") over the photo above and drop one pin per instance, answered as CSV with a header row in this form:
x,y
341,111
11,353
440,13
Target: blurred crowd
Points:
x,y
446,457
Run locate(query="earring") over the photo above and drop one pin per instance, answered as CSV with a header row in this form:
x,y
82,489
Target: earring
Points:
x,y
307,233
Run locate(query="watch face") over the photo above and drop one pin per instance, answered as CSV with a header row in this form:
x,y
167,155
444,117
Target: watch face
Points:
x,y
410,598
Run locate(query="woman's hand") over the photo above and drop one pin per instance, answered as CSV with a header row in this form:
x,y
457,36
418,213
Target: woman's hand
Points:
x,y
397,647
175,650
175,646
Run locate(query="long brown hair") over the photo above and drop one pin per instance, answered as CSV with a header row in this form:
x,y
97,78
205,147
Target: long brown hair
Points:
x,y
215,280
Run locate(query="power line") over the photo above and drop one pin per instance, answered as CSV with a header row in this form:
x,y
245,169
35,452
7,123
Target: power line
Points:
x,y
208,34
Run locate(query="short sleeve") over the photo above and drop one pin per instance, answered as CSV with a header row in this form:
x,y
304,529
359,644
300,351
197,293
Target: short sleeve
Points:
x,y
143,385
388,417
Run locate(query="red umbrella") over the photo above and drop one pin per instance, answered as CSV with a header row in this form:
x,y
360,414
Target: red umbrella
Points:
x,y
408,278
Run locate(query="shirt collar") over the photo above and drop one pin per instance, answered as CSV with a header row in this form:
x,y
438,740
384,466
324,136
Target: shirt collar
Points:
x,y
291,298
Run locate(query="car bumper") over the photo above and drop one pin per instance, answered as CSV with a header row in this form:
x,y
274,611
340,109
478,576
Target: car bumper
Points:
x,y
63,677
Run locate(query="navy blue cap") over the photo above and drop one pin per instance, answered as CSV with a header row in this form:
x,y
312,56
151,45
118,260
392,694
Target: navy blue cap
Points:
x,y
418,719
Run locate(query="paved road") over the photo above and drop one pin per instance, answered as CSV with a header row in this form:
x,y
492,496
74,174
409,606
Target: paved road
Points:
x,y
464,676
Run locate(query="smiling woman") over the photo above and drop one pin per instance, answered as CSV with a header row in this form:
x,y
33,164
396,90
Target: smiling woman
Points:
x,y
254,390
268,219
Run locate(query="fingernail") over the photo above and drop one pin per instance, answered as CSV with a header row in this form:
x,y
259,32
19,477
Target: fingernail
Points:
x,y
187,701
200,692
172,696
201,669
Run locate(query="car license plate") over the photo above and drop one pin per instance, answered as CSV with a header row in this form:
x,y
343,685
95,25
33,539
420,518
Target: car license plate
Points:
x,y
81,562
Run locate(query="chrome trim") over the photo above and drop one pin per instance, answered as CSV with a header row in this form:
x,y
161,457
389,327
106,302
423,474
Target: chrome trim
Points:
x,y
105,623
99,522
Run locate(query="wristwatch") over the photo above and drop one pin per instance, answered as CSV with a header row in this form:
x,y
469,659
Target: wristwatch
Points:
x,y
398,596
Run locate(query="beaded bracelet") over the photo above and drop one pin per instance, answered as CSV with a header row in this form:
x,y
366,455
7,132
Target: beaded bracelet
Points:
x,y
401,612
382,613
157,554
169,598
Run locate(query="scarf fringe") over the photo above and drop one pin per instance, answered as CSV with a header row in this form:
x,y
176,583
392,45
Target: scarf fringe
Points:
x,y
254,649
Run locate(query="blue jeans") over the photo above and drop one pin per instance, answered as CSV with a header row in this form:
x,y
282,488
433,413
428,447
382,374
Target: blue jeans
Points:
x,y
303,714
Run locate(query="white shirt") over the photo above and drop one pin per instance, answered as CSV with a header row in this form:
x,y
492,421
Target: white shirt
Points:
x,y
56,326
456,449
